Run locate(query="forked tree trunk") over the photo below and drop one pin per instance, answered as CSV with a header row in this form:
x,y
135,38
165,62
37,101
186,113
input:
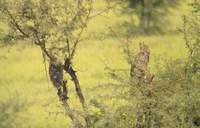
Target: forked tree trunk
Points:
x,y
56,77
69,69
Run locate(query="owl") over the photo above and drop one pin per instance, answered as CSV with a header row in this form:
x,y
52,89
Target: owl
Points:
x,y
140,63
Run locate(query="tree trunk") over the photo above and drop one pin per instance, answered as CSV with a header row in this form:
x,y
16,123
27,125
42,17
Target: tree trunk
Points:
x,y
56,77
145,15
142,15
69,69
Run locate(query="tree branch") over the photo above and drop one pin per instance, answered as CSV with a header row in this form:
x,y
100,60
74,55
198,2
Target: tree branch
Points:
x,y
80,33
186,36
105,10
85,25
16,25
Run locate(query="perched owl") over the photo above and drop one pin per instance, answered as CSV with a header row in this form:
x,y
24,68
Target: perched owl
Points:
x,y
140,63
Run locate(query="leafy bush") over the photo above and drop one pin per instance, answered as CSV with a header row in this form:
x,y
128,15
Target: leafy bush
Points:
x,y
173,101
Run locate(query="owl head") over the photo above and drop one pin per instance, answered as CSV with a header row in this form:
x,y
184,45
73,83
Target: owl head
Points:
x,y
144,48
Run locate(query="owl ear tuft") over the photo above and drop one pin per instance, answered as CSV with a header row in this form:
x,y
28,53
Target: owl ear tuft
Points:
x,y
141,43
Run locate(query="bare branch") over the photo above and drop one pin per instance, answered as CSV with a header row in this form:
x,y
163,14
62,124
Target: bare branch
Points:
x,y
68,47
86,21
81,32
187,43
127,43
105,10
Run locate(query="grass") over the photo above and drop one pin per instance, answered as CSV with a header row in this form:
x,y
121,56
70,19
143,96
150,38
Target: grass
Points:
x,y
23,72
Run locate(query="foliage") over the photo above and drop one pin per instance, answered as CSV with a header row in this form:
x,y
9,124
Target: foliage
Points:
x,y
191,35
57,24
152,14
56,27
173,101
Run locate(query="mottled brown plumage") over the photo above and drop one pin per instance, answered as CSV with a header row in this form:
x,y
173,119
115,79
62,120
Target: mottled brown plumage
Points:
x,y
139,67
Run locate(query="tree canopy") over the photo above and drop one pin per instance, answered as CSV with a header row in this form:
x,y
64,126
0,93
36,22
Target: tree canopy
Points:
x,y
152,13
55,26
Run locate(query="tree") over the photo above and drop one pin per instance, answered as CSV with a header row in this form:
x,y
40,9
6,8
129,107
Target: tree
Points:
x,y
56,28
152,13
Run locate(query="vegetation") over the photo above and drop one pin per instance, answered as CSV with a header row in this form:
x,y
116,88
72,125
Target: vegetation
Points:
x,y
119,84
10,109
150,13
